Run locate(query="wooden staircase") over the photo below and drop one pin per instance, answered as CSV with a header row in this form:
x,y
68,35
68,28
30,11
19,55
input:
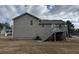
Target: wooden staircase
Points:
x,y
49,35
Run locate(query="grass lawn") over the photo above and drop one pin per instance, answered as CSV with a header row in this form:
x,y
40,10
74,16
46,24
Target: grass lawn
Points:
x,y
36,47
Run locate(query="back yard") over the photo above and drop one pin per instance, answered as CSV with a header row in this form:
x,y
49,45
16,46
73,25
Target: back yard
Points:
x,y
36,47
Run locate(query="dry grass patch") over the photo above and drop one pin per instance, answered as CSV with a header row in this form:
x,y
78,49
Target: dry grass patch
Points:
x,y
31,46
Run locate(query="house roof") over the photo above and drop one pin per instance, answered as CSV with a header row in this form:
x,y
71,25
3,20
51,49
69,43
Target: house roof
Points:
x,y
51,21
41,21
26,14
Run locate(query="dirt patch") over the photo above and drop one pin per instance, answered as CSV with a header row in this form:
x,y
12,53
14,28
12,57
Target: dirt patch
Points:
x,y
71,45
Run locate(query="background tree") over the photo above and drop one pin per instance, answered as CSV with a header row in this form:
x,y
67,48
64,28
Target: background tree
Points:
x,y
7,26
70,28
1,26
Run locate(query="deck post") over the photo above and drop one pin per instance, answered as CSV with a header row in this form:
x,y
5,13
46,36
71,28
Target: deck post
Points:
x,y
64,36
54,36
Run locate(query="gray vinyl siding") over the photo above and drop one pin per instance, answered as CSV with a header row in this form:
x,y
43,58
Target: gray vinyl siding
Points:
x,y
23,28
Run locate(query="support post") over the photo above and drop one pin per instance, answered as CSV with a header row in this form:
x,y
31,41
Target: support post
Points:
x,y
54,36
65,36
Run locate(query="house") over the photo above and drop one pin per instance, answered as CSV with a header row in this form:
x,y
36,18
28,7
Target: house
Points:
x,y
6,32
3,31
27,26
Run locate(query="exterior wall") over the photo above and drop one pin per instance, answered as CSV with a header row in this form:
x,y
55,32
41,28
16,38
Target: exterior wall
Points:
x,y
23,28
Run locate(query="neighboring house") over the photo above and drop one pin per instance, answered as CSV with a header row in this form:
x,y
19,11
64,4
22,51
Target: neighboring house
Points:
x,y
28,26
6,32
3,31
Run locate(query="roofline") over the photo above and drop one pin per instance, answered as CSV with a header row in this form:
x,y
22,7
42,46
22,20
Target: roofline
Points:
x,y
26,14
31,16
52,20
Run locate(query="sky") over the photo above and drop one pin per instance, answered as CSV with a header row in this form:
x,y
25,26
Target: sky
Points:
x,y
50,12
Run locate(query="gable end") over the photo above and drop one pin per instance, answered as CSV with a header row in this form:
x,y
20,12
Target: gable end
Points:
x,y
24,15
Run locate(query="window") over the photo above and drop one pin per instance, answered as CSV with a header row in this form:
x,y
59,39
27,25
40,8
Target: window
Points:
x,y
31,22
60,26
39,20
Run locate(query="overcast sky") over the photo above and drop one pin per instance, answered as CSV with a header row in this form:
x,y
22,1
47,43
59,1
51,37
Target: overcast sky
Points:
x,y
64,12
